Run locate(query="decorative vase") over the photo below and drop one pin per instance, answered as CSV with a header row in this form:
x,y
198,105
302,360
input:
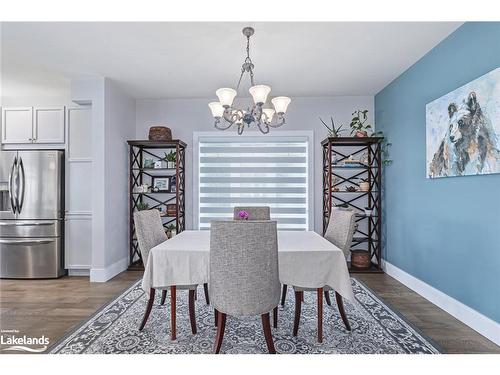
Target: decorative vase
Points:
x,y
361,133
171,164
364,186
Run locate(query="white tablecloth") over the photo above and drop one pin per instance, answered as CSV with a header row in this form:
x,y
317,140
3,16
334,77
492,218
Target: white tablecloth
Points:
x,y
305,259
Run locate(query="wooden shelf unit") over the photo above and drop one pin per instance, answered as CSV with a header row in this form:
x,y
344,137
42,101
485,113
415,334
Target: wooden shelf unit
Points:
x,y
369,232
138,174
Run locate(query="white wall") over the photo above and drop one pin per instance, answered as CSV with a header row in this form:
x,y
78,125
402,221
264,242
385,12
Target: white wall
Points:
x,y
184,116
120,127
113,122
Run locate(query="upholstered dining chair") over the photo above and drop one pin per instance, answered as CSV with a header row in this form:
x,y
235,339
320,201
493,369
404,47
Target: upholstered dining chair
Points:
x,y
150,232
257,213
340,232
254,212
244,278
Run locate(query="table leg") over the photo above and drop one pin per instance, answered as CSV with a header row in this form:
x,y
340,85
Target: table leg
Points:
x,y
320,314
173,328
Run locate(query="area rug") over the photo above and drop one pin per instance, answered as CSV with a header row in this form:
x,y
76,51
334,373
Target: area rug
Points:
x,y
376,329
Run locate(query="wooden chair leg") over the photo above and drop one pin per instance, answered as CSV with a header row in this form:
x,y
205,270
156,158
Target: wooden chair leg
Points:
x,y
327,298
320,314
340,304
283,295
275,317
298,305
192,314
148,308
173,328
221,325
207,298
163,296
266,325
215,317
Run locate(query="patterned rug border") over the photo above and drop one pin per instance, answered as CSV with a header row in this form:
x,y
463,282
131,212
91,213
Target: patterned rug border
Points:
x,y
71,333
83,323
391,307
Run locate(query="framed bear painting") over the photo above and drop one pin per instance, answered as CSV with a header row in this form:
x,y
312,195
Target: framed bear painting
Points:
x,y
463,129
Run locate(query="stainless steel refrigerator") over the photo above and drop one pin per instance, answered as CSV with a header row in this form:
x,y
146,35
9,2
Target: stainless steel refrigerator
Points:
x,y
31,214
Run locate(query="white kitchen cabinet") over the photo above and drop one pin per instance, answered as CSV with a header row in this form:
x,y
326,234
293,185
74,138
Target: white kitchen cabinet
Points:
x,y
17,125
29,125
48,125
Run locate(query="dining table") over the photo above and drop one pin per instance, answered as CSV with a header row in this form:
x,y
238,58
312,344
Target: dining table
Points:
x,y
305,259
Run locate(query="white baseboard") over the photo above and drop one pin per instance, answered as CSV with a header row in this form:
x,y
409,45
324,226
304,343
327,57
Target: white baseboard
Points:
x,y
474,319
78,272
101,275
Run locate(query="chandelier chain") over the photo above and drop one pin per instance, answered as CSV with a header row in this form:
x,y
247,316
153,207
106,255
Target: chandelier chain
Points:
x,y
247,66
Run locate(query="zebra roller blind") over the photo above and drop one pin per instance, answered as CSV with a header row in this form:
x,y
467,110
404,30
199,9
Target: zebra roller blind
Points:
x,y
263,171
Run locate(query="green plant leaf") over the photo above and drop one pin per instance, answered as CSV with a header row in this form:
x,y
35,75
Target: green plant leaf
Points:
x,y
324,123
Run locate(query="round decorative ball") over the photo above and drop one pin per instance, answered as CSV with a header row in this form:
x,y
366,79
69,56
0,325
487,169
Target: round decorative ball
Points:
x,y
160,133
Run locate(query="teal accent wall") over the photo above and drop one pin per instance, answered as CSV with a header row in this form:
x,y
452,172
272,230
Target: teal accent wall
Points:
x,y
445,231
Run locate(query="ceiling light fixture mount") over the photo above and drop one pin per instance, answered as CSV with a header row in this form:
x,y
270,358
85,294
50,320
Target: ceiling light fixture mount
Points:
x,y
226,115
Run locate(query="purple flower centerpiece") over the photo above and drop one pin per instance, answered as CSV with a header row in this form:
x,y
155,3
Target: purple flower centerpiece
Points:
x,y
243,215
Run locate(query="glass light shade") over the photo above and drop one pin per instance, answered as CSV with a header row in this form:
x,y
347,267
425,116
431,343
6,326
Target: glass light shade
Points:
x,y
216,108
226,96
281,103
259,93
270,113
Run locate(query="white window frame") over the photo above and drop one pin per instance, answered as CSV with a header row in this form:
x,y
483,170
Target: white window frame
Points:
x,y
308,134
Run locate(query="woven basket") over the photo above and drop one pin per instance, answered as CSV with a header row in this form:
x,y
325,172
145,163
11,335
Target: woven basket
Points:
x,y
360,259
160,133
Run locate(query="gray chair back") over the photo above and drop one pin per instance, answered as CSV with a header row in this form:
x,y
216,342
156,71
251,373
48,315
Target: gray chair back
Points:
x,y
149,231
254,212
341,228
244,278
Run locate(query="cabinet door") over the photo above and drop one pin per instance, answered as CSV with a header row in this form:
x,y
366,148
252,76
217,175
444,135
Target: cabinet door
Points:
x,y
48,125
17,124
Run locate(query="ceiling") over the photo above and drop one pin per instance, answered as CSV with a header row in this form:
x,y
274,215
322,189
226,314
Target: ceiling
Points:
x,y
177,60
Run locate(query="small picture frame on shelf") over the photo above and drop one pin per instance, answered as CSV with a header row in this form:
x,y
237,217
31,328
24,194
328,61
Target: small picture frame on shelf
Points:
x,y
173,184
158,164
161,184
149,163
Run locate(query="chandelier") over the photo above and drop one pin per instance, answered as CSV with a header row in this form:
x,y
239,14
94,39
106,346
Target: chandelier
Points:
x,y
226,115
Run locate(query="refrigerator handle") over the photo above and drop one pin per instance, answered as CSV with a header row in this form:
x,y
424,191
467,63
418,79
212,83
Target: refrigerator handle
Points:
x,y
21,188
12,196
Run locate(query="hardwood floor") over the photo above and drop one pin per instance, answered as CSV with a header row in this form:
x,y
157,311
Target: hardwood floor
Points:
x,y
53,307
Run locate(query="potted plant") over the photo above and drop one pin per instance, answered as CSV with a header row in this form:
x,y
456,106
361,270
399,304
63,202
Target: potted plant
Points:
x,y
364,185
385,145
141,206
358,125
368,211
171,231
332,130
171,159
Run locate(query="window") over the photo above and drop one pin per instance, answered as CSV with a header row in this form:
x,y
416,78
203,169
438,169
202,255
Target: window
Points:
x,y
254,171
